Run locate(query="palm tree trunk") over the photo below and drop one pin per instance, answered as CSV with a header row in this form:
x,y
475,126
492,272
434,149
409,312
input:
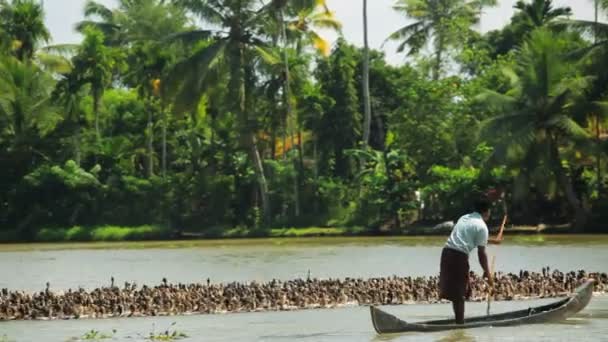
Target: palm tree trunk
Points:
x,y
438,58
273,145
287,95
597,118
595,33
366,99
164,139
599,154
300,149
259,170
580,216
150,131
194,153
284,137
96,99
77,157
315,158
248,136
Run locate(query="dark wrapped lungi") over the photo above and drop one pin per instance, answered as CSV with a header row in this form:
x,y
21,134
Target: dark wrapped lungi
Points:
x,y
454,275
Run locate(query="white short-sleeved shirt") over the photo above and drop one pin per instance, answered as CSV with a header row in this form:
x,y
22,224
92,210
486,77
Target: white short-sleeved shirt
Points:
x,y
469,232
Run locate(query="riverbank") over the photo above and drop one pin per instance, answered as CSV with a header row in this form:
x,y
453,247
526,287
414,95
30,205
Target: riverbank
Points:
x,y
158,233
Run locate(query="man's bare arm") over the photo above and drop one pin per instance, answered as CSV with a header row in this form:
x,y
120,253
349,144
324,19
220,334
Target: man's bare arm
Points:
x,y
483,260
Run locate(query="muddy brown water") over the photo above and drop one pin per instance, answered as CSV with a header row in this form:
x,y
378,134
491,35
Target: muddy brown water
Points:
x,y
29,266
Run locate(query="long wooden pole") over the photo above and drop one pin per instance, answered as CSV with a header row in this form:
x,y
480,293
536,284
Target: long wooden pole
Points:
x,y
502,227
490,288
492,266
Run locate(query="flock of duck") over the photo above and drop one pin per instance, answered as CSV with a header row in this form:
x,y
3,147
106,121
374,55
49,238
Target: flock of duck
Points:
x,y
166,298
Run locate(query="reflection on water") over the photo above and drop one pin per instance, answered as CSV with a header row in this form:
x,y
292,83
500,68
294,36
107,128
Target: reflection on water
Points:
x,y
457,336
389,337
575,321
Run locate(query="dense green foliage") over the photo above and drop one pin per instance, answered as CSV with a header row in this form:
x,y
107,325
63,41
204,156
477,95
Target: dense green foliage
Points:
x,y
244,117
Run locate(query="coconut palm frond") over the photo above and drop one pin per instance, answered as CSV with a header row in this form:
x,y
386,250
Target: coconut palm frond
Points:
x,y
54,63
186,81
271,57
189,37
93,8
569,127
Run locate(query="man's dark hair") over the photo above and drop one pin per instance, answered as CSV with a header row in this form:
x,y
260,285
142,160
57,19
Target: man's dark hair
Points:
x,y
482,204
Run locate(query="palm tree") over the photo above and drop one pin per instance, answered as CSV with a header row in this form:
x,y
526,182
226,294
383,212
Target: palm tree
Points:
x,y
22,31
594,57
95,62
235,43
27,115
305,18
22,21
598,29
366,101
5,41
300,18
535,121
539,13
109,21
68,94
26,110
446,22
280,7
149,23
141,27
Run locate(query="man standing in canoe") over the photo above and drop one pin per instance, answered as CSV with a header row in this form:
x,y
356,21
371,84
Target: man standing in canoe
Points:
x,y
470,232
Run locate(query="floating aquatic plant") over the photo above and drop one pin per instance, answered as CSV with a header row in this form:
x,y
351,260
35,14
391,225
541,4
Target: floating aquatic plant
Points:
x,y
92,335
167,335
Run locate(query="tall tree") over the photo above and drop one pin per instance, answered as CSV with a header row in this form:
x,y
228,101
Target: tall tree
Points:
x,y
341,120
300,18
22,22
68,95
28,118
108,21
366,100
305,19
95,63
527,17
444,23
535,121
597,28
141,27
234,44
148,24
26,109
539,13
593,59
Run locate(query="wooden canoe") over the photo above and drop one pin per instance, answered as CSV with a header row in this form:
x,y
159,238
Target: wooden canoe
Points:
x,y
385,323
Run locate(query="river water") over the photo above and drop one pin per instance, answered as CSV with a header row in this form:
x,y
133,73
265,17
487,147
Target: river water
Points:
x,y
29,267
